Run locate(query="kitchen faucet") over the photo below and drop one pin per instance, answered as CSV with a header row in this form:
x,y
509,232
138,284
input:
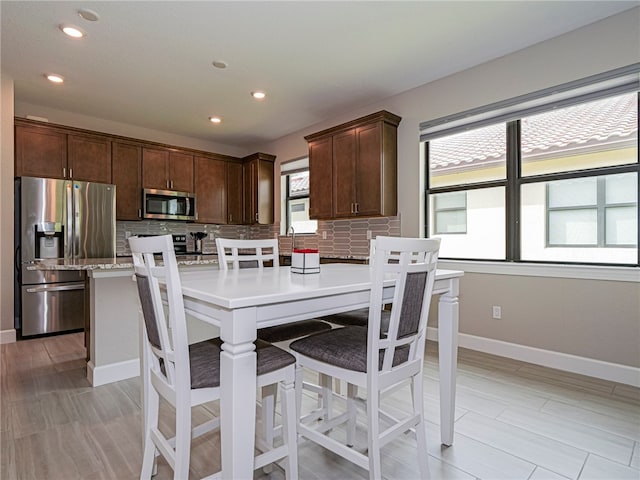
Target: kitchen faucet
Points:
x,y
293,237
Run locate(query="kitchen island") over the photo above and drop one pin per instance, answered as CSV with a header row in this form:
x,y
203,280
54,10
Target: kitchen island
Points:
x,y
112,328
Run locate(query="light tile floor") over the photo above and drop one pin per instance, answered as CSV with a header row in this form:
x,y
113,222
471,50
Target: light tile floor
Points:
x,y
513,421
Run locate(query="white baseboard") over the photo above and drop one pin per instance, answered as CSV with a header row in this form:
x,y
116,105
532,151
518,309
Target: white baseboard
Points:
x,y
562,361
113,372
7,336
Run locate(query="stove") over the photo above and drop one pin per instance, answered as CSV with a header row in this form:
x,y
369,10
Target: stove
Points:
x,y
179,241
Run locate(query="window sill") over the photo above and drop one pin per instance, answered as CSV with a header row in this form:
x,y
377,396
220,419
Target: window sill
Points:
x,y
583,272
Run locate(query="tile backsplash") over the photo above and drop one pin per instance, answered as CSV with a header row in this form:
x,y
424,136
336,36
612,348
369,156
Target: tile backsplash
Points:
x,y
146,227
344,238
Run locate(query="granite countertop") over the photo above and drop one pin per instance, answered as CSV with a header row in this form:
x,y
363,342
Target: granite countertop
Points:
x,y
125,262
334,256
112,263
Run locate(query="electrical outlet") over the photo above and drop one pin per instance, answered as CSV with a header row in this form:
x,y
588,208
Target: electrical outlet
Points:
x,y
127,234
497,312
368,234
324,235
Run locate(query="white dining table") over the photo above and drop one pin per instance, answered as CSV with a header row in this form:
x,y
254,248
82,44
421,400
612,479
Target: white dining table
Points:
x,y
241,301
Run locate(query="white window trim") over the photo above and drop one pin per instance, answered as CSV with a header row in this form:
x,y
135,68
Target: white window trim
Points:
x,y
582,272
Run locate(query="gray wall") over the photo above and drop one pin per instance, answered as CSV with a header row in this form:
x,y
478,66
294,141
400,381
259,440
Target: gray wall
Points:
x,y
595,319
6,203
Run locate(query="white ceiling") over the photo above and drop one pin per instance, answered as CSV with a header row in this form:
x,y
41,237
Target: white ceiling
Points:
x,y
149,63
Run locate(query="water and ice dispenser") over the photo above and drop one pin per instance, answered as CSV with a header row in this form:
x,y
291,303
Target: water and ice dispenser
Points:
x,y
49,240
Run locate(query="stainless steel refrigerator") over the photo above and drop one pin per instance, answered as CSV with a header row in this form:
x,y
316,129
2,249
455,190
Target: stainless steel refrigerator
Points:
x,y
63,219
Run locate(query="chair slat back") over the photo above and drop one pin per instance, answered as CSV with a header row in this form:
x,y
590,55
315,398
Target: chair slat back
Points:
x,y
247,253
165,324
412,263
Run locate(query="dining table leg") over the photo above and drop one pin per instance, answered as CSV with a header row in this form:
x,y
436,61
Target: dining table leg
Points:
x,y
448,358
238,394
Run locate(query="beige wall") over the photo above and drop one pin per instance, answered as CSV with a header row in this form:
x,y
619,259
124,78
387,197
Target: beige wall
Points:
x,y
595,319
77,120
6,205
589,318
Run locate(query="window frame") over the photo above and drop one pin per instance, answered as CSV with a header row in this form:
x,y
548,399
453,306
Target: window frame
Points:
x,y
514,182
288,198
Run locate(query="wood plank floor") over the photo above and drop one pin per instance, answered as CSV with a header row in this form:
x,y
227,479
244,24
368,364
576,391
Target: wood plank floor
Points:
x,y
513,421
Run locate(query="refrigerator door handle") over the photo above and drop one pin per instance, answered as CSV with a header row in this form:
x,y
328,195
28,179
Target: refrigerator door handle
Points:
x,y
69,224
76,219
56,288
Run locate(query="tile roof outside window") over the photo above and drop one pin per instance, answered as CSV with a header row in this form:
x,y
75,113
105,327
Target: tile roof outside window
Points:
x,y
612,121
299,184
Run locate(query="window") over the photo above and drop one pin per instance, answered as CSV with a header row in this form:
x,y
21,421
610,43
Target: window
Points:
x,y
450,212
553,178
592,212
297,203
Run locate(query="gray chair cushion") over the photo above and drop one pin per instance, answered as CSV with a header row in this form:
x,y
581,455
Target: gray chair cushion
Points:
x,y
344,348
358,318
412,304
148,312
281,333
204,360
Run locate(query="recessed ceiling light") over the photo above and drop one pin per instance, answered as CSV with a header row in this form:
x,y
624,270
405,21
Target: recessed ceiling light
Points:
x,y
54,77
215,119
258,95
72,31
219,64
89,15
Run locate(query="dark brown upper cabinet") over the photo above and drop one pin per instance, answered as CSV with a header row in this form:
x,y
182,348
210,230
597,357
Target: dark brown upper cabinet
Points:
x,y
89,158
126,166
46,151
40,152
321,160
211,190
353,168
165,169
258,179
235,194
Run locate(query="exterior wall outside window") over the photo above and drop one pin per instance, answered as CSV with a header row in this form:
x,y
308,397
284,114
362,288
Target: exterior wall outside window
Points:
x,y
485,235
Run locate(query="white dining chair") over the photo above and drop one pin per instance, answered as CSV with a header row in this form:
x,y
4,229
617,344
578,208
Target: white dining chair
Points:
x,y
377,360
189,375
239,253
358,317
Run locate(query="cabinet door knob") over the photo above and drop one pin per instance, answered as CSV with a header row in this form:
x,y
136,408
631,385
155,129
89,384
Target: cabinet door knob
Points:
x,y
64,172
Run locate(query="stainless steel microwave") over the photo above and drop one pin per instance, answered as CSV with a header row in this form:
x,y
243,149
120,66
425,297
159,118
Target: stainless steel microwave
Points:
x,y
169,205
